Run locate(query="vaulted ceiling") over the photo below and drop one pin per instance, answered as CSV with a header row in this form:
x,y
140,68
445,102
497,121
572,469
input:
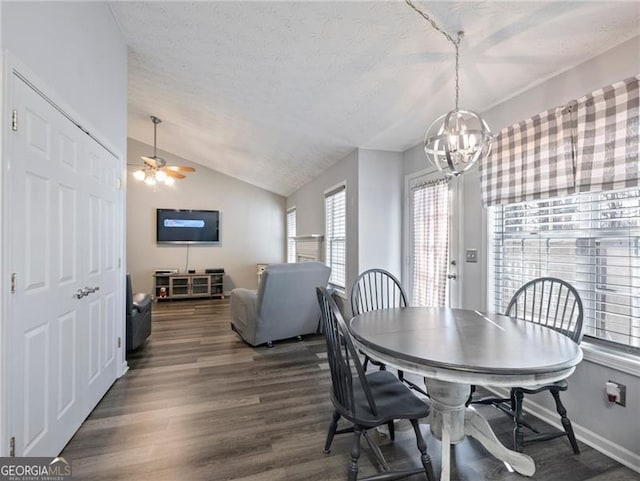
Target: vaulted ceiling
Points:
x,y
273,93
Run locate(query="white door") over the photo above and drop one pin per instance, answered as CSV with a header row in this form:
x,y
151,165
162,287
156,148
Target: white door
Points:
x,y
433,263
63,240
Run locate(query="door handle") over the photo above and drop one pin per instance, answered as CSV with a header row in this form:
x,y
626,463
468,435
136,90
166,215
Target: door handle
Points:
x,y
86,291
452,276
81,293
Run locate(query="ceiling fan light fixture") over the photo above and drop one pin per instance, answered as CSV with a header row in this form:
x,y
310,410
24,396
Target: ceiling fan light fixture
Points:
x,y
161,175
169,181
155,169
150,180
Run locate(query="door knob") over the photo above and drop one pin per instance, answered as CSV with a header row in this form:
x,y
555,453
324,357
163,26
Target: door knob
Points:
x,y
452,276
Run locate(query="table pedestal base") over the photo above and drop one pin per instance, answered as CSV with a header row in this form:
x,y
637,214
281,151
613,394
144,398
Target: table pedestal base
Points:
x,y
450,420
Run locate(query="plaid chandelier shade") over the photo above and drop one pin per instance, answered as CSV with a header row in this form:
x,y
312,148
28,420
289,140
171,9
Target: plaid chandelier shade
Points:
x,y
591,144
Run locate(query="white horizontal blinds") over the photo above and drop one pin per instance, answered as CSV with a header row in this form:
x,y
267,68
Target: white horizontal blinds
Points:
x,y
291,233
532,159
430,243
607,140
336,228
592,241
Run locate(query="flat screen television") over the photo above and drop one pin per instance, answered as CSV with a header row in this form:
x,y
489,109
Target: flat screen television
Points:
x,y
182,226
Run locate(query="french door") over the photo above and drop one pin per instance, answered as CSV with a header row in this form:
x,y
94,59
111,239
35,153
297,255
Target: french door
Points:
x,y
433,264
66,302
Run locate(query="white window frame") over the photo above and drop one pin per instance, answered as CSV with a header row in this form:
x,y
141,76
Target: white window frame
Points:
x,y
291,241
340,284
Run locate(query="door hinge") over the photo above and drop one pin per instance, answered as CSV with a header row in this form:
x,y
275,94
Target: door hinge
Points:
x,y
119,342
119,262
12,447
14,121
118,183
13,283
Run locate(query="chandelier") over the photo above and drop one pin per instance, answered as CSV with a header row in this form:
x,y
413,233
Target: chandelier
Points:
x,y
456,140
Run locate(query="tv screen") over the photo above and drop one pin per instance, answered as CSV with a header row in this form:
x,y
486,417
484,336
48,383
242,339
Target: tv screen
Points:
x,y
181,226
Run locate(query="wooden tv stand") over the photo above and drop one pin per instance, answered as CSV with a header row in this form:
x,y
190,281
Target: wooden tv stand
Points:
x,y
188,285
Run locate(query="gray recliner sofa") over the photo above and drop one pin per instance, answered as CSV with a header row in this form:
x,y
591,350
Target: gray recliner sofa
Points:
x,y
285,304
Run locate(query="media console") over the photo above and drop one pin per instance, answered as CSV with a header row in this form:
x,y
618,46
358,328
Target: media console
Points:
x,y
170,284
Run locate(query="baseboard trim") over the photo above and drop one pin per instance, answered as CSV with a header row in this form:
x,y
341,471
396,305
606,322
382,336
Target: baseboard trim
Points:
x,y
596,441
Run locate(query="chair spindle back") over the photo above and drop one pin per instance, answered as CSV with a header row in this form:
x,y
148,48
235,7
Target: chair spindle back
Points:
x,y
376,289
551,302
342,357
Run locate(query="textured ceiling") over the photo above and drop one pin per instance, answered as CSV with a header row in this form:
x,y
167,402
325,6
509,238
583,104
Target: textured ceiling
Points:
x,y
275,92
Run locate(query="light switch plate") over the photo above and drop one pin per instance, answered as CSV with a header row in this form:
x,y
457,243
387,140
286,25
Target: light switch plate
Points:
x,y
471,255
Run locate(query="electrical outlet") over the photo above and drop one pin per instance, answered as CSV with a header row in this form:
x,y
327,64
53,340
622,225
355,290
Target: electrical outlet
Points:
x,y
622,393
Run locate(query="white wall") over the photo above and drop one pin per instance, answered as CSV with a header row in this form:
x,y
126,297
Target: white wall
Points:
x,y
76,48
252,224
616,64
380,185
615,427
374,209
309,204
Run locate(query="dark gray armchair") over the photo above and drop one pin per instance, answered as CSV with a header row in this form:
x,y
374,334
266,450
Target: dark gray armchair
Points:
x,y
138,317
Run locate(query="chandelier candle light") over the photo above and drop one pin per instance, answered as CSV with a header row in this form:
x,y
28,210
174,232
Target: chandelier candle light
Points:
x,y
457,140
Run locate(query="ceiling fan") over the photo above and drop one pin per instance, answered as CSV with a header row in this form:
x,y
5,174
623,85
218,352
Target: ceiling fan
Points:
x,y
155,169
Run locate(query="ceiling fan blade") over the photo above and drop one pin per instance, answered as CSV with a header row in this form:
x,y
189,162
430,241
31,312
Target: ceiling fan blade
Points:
x,y
180,168
174,174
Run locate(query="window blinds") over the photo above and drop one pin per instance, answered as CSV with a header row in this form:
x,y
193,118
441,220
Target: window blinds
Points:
x,y
430,241
591,240
336,227
291,234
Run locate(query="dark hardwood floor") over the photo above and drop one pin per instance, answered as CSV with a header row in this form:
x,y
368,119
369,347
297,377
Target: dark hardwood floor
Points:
x,y
200,404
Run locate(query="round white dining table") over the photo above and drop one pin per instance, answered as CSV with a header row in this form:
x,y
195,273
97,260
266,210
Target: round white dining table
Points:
x,y
456,348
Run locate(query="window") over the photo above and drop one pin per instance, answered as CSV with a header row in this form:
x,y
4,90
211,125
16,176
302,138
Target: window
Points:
x,y
291,234
430,243
335,204
591,240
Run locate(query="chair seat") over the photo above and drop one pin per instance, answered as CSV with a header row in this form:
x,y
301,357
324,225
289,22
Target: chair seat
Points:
x,y
394,400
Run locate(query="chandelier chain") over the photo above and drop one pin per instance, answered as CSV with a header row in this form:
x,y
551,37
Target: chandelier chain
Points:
x,y
456,43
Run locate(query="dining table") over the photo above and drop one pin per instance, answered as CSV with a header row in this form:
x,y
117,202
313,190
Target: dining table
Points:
x,y
453,349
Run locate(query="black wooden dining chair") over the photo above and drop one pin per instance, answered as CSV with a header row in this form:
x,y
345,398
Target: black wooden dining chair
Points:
x,y
366,400
556,304
379,289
